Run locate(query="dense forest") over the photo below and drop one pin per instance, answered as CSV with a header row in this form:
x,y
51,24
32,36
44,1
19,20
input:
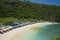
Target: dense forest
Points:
x,y
18,10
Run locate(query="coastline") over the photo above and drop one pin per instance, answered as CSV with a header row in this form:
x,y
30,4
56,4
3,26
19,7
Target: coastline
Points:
x,y
26,29
23,31
18,34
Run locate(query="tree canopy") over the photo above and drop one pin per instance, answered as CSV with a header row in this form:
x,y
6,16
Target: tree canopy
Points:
x,y
28,10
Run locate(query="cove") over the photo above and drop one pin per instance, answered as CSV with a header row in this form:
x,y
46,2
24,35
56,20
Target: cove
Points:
x,y
46,32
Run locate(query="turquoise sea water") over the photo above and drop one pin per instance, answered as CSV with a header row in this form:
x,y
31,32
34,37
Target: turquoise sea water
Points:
x,y
47,32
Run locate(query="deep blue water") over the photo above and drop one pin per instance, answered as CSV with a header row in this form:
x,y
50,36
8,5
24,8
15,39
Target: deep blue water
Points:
x,y
47,32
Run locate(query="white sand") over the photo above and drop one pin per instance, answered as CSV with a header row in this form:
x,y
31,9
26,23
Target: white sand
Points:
x,y
18,34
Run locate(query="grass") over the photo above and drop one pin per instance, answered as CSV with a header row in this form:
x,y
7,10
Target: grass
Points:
x,y
7,20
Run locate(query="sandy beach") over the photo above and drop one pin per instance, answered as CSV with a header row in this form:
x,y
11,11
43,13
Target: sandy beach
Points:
x,y
17,34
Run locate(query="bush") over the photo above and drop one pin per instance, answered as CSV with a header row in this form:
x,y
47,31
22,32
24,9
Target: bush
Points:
x,y
7,20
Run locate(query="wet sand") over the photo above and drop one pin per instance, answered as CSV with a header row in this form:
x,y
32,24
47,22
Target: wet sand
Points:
x,y
17,34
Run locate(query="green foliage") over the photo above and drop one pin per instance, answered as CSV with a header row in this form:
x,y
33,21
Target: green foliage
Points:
x,y
7,20
29,11
58,38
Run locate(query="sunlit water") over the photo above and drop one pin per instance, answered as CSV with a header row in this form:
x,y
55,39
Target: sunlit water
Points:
x,y
46,32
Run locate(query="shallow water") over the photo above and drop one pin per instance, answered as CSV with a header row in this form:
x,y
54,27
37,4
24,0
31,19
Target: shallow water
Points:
x,y
46,32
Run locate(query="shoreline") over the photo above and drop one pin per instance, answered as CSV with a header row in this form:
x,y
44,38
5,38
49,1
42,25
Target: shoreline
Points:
x,y
24,30
17,34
